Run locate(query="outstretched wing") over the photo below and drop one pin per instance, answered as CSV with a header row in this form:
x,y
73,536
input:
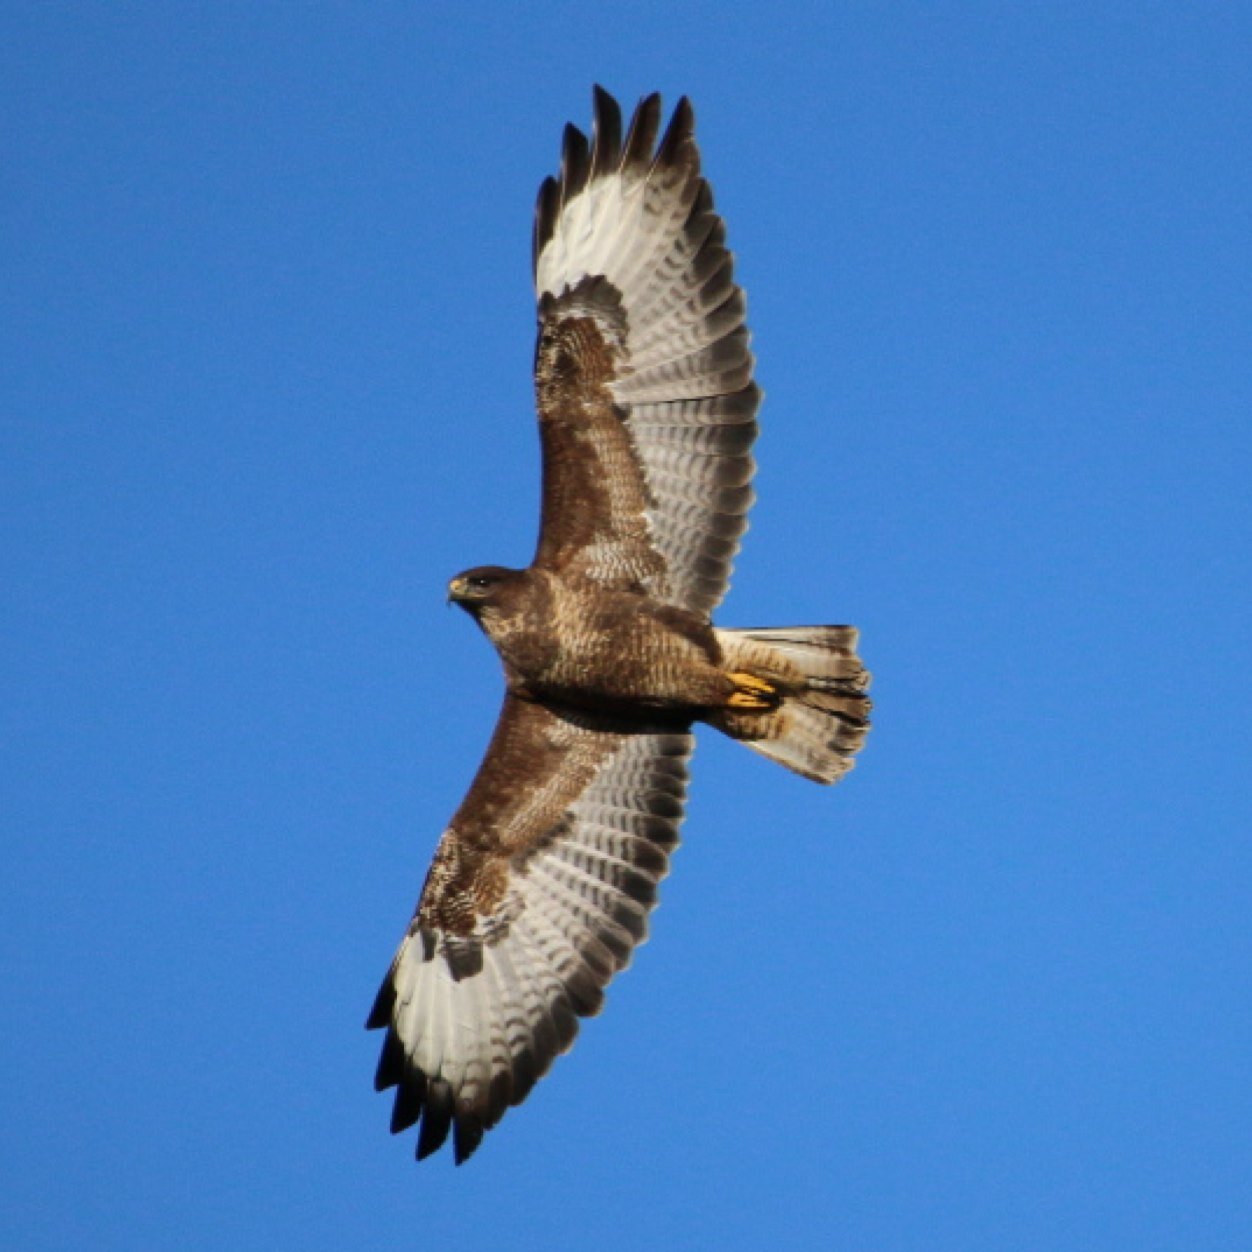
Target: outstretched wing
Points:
x,y
539,890
643,374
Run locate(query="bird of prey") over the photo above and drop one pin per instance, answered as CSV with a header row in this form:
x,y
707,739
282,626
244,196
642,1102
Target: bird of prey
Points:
x,y
542,883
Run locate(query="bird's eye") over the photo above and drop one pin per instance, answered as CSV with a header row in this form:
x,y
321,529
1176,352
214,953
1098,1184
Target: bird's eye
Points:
x,y
480,581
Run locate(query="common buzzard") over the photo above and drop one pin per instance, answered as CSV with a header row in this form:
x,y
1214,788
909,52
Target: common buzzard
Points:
x,y
542,884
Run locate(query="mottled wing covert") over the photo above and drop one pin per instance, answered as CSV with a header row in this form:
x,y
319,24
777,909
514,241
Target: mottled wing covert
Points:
x,y
643,372
540,889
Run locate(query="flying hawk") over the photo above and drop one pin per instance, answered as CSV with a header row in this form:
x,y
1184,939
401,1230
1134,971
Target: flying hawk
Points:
x,y
542,884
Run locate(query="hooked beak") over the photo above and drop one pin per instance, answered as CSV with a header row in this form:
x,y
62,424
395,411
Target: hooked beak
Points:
x,y
456,590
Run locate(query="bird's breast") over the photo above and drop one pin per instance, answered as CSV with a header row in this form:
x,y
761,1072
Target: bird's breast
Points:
x,y
592,646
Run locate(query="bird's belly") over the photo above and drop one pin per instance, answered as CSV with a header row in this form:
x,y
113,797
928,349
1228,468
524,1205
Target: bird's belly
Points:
x,y
638,665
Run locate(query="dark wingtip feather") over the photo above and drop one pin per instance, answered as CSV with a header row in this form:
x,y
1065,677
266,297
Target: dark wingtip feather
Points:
x,y
436,1118
467,1134
547,210
384,1002
679,135
575,162
642,135
606,150
391,1063
410,1097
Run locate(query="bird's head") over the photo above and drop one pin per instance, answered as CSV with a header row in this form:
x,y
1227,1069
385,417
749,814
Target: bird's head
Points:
x,y
483,587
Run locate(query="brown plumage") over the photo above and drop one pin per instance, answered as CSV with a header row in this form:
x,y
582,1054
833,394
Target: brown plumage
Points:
x,y
541,886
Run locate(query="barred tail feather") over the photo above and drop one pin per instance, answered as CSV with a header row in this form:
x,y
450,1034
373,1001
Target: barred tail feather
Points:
x,y
821,716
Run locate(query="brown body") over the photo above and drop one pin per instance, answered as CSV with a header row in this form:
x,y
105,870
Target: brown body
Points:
x,y
567,640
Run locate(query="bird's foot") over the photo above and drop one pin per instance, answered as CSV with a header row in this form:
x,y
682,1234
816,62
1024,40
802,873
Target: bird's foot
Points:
x,y
751,692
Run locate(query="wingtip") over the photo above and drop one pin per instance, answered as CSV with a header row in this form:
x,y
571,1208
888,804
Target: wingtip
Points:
x,y
575,161
467,1134
436,1118
547,209
408,1105
384,1002
606,150
679,134
392,1063
641,136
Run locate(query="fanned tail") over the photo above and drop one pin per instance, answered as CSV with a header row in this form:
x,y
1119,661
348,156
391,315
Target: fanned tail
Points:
x,y
813,715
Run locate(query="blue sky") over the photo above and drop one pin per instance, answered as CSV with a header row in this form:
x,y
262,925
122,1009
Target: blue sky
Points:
x,y
264,385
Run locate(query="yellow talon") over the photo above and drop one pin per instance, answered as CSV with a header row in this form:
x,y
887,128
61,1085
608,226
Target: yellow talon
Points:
x,y
751,692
